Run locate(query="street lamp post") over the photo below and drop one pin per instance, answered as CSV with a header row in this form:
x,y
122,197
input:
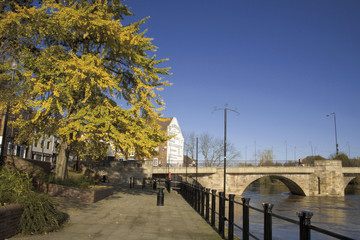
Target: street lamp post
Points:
x,y
337,146
3,142
225,111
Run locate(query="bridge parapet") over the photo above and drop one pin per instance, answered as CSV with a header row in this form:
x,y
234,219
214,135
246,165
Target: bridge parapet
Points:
x,y
184,170
270,170
351,170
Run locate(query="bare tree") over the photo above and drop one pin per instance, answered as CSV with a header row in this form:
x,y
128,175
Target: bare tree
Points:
x,y
266,158
211,149
189,144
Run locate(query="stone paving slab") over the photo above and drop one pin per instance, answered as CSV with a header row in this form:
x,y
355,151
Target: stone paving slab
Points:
x,y
131,214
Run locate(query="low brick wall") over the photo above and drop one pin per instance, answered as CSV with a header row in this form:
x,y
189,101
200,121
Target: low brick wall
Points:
x,y
83,195
9,219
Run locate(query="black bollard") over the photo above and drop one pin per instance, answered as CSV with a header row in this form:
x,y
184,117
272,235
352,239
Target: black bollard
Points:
x,y
154,184
160,197
305,224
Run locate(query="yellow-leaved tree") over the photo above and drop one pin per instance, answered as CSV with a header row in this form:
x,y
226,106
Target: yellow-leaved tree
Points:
x,y
87,78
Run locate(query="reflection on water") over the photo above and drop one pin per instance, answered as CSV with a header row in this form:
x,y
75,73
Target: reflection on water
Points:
x,y
337,214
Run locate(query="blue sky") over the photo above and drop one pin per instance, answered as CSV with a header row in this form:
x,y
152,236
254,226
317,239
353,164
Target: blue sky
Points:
x,y
283,65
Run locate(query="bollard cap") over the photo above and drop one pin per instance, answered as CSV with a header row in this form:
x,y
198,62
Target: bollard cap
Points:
x,y
245,200
305,214
268,206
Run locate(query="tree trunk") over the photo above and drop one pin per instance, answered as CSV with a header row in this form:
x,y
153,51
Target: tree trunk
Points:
x,y
61,163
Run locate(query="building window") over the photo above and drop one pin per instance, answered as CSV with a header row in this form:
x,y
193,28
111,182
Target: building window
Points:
x,y
48,145
155,162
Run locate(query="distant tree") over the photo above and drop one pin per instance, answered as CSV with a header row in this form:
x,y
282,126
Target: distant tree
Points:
x,y
88,77
266,158
309,160
340,156
345,160
189,144
211,149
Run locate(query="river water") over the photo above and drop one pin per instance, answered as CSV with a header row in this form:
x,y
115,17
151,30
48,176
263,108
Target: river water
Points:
x,y
337,214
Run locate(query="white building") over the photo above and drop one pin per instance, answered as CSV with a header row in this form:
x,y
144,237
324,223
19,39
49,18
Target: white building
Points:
x,y
171,153
175,146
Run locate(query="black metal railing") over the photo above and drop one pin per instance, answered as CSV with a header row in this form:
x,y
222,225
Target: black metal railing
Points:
x,y
143,182
204,203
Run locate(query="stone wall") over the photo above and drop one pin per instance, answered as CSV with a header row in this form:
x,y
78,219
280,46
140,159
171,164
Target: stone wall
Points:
x,y
33,167
9,219
120,172
330,178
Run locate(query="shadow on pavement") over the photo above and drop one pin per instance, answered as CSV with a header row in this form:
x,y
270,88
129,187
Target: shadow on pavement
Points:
x,y
125,189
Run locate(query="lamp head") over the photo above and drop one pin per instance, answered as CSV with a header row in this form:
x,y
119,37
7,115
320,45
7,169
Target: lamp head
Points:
x,y
13,64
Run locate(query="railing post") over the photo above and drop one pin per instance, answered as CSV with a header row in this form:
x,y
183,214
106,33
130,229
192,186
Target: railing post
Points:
x,y
245,218
221,215
207,195
305,222
154,184
193,193
213,206
197,205
231,217
202,201
169,185
267,221
198,198
188,193
193,196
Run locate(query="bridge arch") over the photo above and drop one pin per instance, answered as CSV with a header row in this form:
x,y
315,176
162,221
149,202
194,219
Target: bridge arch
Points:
x,y
243,182
347,181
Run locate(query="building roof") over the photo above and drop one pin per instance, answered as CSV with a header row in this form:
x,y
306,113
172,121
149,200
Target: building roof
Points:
x,y
164,123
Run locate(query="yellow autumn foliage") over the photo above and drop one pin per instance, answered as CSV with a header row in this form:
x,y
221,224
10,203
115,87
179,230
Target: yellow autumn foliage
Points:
x,y
78,66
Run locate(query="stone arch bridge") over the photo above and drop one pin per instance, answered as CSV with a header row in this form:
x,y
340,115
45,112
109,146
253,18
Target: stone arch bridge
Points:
x,y
325,178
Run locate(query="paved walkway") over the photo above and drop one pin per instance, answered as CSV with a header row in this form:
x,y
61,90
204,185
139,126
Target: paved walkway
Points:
x,y
131,214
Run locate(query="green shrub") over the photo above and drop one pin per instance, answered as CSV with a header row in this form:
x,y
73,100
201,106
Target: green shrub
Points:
x,y
13,184
79,182
40,214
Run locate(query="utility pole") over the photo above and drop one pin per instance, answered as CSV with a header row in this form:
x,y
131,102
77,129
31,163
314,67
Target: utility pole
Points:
x,y
225,111
337,146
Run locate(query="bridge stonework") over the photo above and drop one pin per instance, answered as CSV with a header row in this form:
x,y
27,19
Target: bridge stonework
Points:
x,y
325,178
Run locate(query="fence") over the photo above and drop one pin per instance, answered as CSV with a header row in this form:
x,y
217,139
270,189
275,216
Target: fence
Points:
x,y
205,202
243,163
153,183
